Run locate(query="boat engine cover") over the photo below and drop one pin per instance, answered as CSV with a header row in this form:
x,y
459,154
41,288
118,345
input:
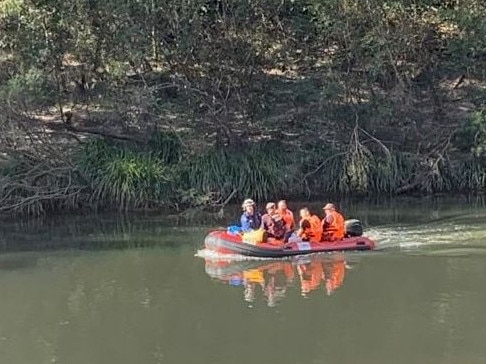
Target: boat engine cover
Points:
x,y
353,227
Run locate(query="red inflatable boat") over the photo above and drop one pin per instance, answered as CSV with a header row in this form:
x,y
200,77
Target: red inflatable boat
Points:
x,y
223,242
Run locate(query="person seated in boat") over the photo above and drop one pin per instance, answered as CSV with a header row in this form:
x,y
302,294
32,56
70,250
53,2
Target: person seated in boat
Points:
x,y
250,219
272,222
287,217
310,226
332,224
286,214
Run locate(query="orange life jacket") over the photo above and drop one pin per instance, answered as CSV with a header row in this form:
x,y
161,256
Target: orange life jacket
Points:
x,y
314,232
333,230
288,218
274,224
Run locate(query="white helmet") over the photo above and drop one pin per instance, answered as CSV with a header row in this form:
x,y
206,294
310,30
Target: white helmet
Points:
x,y
248,202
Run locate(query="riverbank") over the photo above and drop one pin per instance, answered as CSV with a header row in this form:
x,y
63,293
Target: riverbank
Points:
x,y
103,175
298,100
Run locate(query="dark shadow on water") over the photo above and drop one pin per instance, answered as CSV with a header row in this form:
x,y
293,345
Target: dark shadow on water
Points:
x,y
16,262
96,232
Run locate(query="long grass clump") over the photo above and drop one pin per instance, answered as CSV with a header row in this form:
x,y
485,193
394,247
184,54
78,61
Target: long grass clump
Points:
x,y
470,175
124,178
397,174
391,172
167,147
256,171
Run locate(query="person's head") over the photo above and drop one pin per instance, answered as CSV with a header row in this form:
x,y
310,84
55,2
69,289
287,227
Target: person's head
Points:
x,y
282,205
304,212
328,208
248,206
270,207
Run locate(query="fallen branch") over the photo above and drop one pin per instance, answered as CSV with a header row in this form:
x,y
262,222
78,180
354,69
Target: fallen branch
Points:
x,y
105,133
227,200
39,197
387,151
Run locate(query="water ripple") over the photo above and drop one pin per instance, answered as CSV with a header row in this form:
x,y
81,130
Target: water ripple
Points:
x,y
427,236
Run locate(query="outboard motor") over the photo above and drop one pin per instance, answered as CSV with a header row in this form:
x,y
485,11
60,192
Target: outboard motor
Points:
x,y
353,227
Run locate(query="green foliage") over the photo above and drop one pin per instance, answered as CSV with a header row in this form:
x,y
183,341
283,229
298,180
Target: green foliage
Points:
x,y
122,178
167,146
256,171
305,72
317,171
127,179
10,7
193,197
29,90
391,172
357,167
472,137
363,171
468,47
117,70
470,175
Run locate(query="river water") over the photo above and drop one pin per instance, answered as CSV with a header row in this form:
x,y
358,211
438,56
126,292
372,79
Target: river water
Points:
x,y
138,289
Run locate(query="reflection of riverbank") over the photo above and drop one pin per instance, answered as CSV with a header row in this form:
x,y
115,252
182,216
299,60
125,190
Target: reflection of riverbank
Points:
x,y
323,274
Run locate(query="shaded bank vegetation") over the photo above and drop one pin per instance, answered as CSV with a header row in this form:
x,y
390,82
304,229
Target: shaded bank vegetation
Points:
x,y
138,105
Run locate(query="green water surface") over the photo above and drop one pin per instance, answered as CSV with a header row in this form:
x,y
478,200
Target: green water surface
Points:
x,y
115,290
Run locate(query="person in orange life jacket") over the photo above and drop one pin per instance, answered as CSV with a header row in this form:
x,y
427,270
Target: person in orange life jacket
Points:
x,y
332,224
272,222
310,226
250,219
286,214
287,217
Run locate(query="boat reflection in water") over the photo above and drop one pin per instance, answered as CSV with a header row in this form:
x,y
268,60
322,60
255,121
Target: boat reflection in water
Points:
x,y
272,278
